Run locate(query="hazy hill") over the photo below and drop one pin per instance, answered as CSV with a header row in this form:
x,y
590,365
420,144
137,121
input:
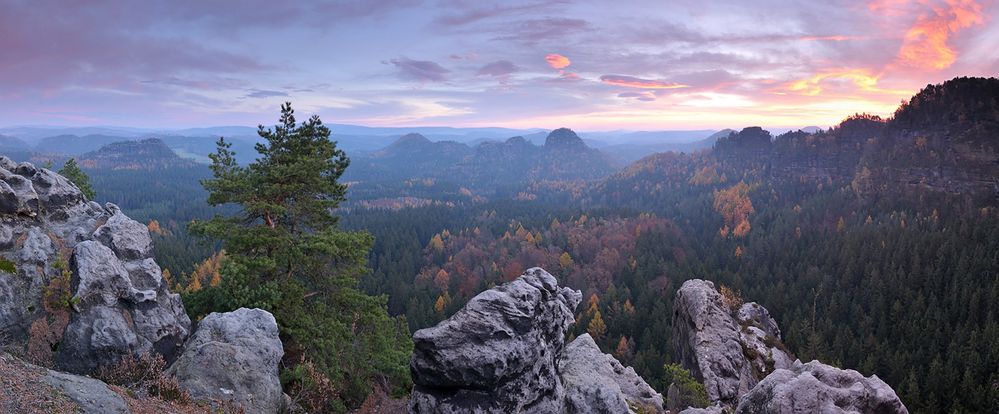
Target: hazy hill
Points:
x,y
147,154
487,166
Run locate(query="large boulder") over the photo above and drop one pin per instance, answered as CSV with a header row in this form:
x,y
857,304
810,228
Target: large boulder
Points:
x,y
234,356
818,388
597,383
729,350
119,303
499,354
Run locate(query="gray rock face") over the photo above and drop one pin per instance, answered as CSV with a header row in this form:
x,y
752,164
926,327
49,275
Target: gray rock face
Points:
x,y
92,396
234,356
729,355
499,354
597,383
121,305
128,238
818,388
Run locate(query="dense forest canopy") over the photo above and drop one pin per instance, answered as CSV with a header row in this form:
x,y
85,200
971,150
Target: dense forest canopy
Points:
x,y
874,243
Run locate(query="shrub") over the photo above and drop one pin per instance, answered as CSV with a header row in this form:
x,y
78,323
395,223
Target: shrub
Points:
x,y
145,372
731,298
690,392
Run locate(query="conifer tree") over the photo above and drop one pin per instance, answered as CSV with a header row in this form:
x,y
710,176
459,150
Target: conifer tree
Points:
x,y
72,171
286,254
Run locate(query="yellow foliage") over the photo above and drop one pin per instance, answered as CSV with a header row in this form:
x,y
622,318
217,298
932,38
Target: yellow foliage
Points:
x,y
734,205
195,284
437,243
210,270
154,227
565,260
597,328
628,307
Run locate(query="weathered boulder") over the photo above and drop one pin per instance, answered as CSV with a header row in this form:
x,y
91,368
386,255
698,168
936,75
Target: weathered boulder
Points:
x,y
597,383
819,388
234,356
729,355
120,304
499,354
128,238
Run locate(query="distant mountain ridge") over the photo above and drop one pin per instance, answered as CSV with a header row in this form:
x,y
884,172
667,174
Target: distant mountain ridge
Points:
x,y
945,139
564,156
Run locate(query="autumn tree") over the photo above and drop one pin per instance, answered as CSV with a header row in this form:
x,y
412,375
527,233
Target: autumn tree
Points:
x,y
565,260
597,328
734,205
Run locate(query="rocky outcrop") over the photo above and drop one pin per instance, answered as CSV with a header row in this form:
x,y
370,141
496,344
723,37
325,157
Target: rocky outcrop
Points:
x,y
499,354
234,356
113,302
504,352
597,383
739,356
729,351
819,388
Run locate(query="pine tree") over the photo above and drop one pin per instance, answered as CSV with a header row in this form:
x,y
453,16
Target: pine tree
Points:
x,y
285,253
72,171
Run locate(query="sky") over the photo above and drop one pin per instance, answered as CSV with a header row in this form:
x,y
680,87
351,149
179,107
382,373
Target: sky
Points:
x,y
587,65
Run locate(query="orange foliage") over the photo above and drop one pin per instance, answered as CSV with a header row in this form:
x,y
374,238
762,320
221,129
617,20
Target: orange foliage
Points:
x,y
734,205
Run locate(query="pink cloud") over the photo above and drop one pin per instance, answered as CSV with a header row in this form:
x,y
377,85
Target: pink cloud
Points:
x,y
557,61
633,82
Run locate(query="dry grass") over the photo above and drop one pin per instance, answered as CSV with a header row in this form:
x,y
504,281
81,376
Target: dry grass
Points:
x,y
23,390
731,298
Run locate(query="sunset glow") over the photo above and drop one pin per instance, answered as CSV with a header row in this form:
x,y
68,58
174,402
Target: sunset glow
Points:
x,y
586,65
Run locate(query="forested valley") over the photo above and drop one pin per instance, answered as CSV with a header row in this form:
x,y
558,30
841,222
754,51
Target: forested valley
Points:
x,y
875,244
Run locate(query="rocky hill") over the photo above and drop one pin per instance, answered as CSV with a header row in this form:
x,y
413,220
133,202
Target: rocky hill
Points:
x,y
944,140
489,165
147,154
81,294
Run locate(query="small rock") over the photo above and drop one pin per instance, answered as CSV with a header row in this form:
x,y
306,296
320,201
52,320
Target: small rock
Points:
x,y
128,238
92,396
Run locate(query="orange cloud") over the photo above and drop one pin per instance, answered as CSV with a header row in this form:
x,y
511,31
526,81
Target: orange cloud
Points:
x,y
860,78
633,82
926,43
557,61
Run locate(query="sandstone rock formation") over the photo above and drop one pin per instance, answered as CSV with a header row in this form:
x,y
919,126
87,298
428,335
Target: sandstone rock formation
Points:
x,y
114,301
597,383
740,358
819,388
498,354
505,353
234,356
730,354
